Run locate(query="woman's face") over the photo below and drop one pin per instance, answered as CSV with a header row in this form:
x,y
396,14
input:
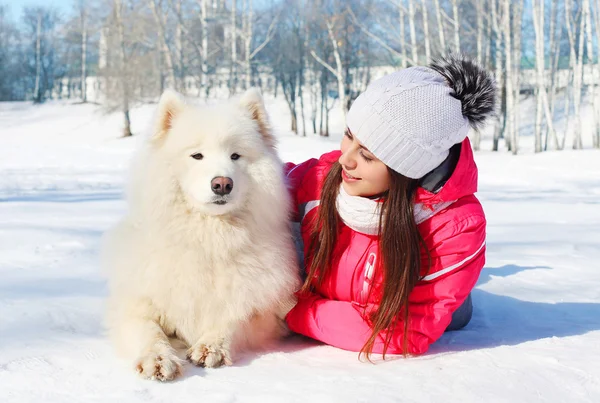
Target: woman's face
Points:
x,y
362,173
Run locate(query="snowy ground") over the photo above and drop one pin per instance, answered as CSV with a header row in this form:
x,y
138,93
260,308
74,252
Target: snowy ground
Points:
x,y
535,334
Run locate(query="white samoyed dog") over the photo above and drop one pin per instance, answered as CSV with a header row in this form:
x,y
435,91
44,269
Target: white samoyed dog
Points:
x,y
204,254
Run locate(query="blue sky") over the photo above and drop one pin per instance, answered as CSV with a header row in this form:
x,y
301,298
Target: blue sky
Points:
x,y
16,6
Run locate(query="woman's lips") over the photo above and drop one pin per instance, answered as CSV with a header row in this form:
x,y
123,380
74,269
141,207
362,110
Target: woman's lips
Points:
x,y
348,178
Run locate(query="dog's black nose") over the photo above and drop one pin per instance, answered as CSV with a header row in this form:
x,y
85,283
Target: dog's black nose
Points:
x,y
221,185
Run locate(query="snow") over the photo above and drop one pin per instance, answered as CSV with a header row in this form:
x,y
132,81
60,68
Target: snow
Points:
x,y
535,333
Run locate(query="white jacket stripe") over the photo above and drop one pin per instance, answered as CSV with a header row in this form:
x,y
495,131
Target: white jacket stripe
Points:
x,y
456,266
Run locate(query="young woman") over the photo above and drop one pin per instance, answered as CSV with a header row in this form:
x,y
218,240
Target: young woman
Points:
x,y
394,238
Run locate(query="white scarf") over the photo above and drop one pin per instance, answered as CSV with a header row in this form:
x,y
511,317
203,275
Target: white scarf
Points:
x,y
359,213
362,214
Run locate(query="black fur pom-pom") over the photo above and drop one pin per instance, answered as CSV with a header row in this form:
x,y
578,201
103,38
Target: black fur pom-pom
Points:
x,y
472,85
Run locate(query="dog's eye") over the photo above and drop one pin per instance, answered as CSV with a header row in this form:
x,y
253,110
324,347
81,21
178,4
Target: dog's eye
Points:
x,y
235,156
197,156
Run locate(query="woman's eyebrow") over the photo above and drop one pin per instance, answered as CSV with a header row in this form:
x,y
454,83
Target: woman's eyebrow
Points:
x,y
360,145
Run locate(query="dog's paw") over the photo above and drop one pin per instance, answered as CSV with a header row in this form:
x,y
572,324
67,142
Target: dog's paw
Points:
x,y
161,367
209,355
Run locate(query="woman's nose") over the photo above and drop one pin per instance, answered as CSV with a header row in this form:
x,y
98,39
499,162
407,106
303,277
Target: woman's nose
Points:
x,y
347,159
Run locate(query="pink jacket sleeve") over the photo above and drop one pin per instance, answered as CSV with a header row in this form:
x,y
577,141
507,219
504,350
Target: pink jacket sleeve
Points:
x,y
458,259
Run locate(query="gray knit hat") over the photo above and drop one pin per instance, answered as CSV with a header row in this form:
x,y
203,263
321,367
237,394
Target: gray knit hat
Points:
x,y
409,119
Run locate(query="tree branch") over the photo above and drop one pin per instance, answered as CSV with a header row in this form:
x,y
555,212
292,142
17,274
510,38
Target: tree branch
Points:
x,y
270,34
324,63
372,35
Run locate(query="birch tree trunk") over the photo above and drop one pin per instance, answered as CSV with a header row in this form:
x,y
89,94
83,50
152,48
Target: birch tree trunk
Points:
x,y
179,47
248,36
543,104
517,21
479,10
313,97
554,46
248,41
37,92
402,35
596,11
413,34
426,31
123,68
456,26
510,130
168,59
338,71
499,73
577,138
592,68
83,14
233,65
538,22
572,68
341,79
302,42
440,23
488,41
323,106
204,23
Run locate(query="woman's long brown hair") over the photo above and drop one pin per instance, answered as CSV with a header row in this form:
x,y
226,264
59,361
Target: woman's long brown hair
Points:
x,y
399,249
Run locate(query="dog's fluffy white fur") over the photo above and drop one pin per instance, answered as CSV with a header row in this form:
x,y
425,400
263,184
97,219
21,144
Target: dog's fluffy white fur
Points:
x,y
216,271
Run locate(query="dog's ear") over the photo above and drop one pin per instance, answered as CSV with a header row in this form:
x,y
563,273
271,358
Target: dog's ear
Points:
x,y
169,105
253,101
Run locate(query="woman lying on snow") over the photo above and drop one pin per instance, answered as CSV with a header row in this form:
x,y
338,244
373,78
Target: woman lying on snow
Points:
x,y
394,237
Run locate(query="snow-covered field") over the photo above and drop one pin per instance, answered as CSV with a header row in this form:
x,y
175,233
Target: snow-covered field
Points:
x,y
535,334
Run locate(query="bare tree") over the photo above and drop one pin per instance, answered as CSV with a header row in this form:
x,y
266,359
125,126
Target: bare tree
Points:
x,y
401,17
304,71
572,62
204,55
596,14
456,26
42,47
320,54
286,55
538,22
332,23
440,22
129,58
167,57
488,36
37,94
84,34
248,36
587,15
479,11
510,129
179,45
413,32
577,139
8,57
402,38
247,39
499,71
576,61
426,31
542,96
554,46
234,37
517,22
123,67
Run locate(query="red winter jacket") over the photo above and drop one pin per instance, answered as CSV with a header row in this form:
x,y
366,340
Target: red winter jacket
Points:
x,y
454,235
